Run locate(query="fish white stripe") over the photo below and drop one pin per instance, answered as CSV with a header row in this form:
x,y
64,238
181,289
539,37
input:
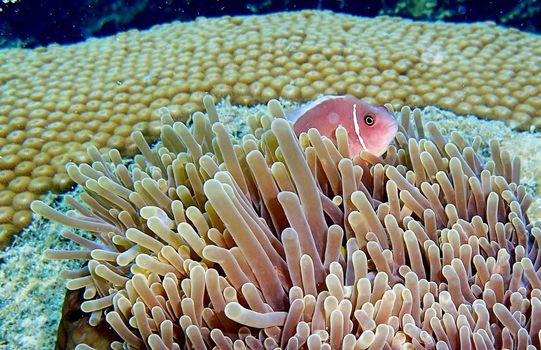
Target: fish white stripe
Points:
x,y
357,128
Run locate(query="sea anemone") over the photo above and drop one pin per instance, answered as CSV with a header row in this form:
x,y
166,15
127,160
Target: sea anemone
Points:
x,y
278,241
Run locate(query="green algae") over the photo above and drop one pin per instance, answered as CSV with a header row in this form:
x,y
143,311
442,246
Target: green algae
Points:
x,y
525,9
425,9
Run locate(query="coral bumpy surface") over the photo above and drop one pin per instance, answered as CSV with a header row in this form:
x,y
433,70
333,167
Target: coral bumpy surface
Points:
x,y
58,100
277,241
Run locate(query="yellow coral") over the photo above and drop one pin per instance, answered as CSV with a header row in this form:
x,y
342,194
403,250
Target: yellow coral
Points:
x,y
58,100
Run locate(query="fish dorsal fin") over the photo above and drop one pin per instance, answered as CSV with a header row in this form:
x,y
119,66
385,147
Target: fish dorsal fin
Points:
x,y
295,114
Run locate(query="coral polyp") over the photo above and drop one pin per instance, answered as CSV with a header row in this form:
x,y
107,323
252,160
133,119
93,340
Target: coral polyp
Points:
x,y
59,100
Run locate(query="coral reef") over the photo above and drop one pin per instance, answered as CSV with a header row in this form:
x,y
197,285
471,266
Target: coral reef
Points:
x,y
31,293
57,101
278,241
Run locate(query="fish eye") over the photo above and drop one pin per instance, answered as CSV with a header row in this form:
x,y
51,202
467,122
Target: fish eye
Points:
x,y
369,120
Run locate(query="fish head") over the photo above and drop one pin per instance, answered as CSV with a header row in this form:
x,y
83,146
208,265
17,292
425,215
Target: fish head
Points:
x,y
374,128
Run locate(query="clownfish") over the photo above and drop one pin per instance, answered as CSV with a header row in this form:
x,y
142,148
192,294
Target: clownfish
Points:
x,y
369,128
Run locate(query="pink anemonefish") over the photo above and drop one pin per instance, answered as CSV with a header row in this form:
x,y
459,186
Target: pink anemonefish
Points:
x,y
369,127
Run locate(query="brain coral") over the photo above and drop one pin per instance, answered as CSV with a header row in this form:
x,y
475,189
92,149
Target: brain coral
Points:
x,y
58,100
275,241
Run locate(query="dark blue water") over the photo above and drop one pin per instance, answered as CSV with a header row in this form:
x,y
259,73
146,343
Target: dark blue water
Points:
x,y
30,23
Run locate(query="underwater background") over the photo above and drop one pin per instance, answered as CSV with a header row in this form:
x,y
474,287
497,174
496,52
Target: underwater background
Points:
x,y
147,133
31,23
